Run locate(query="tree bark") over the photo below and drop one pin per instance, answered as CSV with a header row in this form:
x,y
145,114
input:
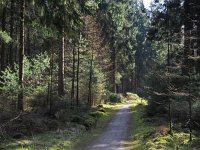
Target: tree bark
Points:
x,y
21,57
49,100
3,63
61,91
77,75
73,76
28,44
113,61
11,62
190,111
90,81
168,65
188,25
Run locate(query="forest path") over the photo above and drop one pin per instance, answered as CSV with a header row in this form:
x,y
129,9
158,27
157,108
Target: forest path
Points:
x,y
115,135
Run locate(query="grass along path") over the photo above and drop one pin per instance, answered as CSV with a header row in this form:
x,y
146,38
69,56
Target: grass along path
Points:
x,y
145,135
69,137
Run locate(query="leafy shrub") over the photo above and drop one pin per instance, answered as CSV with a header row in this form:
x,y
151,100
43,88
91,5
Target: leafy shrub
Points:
x,y
132,96
4,36
97,114
77,119
100,106
90,122
114,98
102,110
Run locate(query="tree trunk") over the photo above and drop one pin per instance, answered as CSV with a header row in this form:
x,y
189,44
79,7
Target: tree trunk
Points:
x,y
61,91
188,25
28,44
49,100
77,75
190,111
197,67
21,57
113,74
73,76
136,77
169,100
11,62
168,71
3,63
90,81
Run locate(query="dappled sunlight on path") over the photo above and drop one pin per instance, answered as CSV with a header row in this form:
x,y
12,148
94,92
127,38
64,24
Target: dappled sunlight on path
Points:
x,y
115,135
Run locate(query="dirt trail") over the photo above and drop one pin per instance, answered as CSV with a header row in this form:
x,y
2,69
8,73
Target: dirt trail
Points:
x,y
114,136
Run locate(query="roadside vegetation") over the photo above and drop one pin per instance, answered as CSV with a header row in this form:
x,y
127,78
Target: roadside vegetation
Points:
x,y
152,133
60,60
68,131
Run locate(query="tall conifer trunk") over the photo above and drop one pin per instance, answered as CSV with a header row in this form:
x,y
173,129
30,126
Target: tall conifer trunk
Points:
x,y
3,23
187,28
113,74
90,80
21,57
11,62
73,75
61,91
77,74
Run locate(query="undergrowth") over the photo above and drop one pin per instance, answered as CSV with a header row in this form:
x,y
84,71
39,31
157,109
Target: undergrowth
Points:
x,y
81,127
147,135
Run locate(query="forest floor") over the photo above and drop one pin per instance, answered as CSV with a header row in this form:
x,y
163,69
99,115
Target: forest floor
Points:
x,y
124,127
152,133
66,137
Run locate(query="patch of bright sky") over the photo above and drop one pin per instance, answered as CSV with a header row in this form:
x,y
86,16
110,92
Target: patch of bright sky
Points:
x,y
147,3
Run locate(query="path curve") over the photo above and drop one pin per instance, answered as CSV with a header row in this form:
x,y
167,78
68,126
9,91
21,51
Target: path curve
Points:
x,y
116,133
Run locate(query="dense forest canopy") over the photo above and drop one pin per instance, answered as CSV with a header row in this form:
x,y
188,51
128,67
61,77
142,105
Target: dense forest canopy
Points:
x,y
65,54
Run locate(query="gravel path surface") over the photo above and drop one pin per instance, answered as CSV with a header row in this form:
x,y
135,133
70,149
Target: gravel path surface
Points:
x,y
115,134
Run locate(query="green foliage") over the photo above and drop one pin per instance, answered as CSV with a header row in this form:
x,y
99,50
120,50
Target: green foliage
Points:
x,y
5,37
97,114
77,119
132,96
35,76
88,121
146,134
9,82
101,110
100,106
114,98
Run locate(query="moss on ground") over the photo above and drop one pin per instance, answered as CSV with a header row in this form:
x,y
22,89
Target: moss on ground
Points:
x,y
147,136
